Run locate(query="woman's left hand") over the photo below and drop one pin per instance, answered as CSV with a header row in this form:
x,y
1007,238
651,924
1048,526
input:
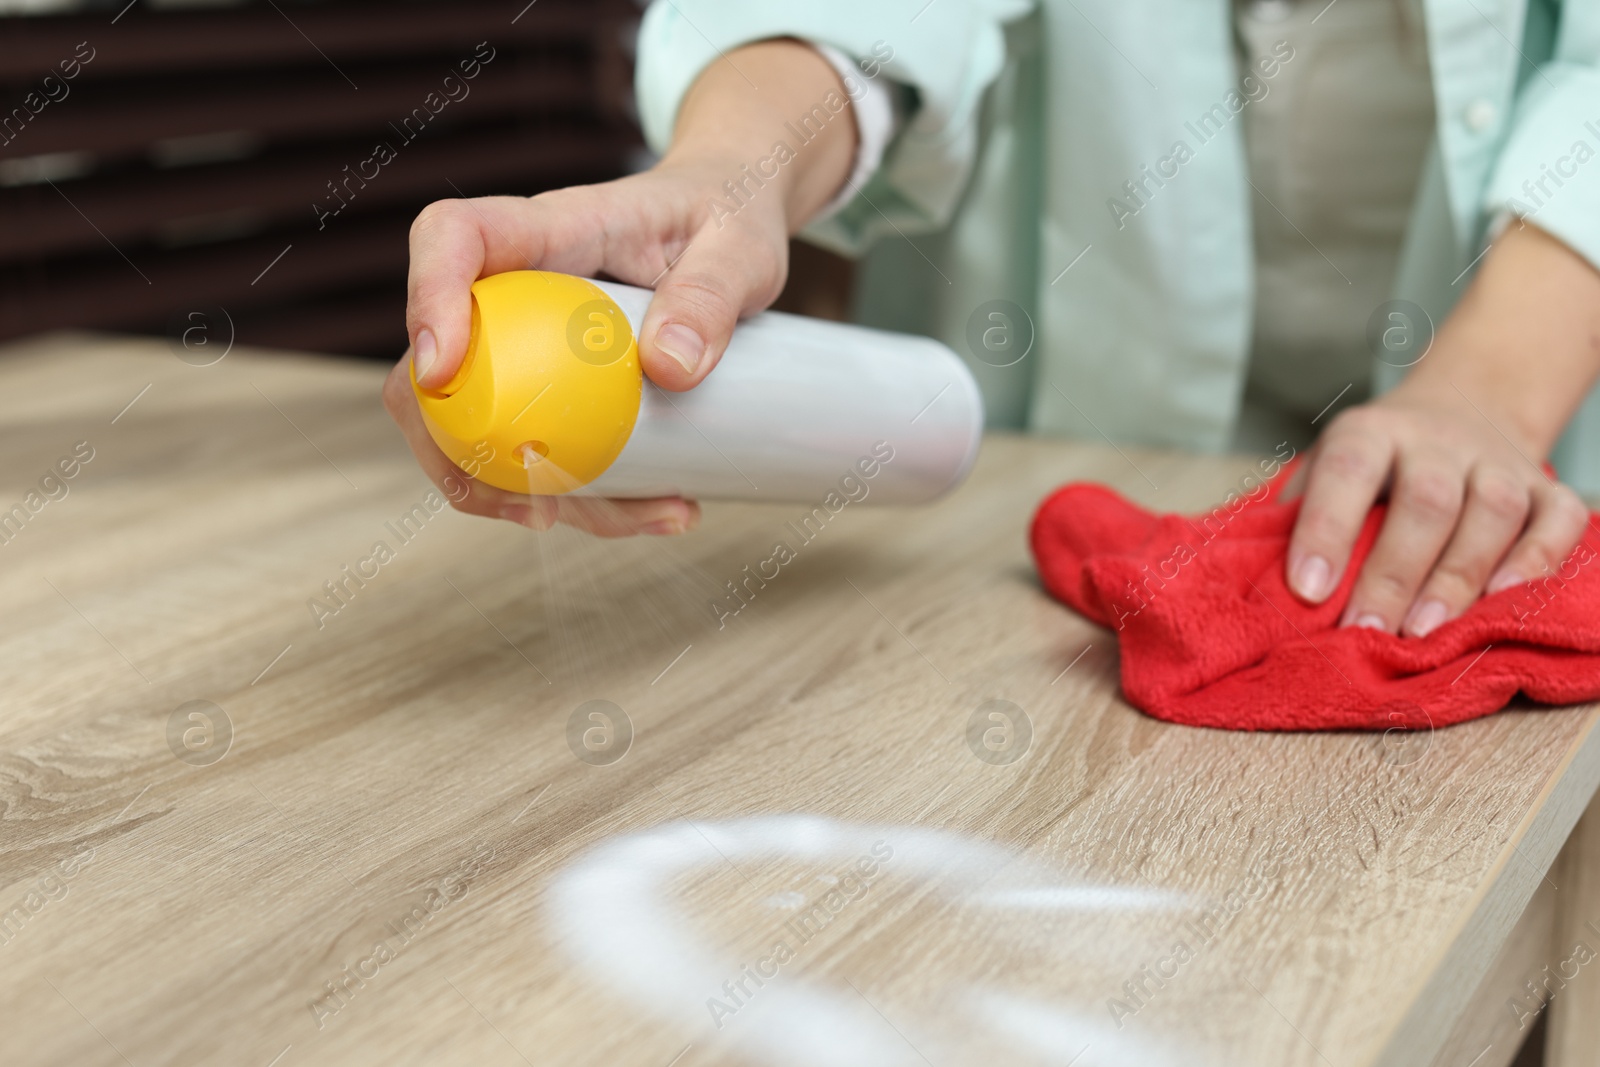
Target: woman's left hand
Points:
x,y
1457,449
1470,512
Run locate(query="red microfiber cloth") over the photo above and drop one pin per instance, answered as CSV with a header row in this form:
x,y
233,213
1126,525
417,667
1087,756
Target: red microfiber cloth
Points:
x,y
1212,636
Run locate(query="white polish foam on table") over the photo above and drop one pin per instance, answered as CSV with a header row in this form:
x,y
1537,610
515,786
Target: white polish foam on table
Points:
x,y
613,910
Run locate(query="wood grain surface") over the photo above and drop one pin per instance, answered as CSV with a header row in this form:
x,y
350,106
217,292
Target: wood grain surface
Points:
x,y
1570,987
394,832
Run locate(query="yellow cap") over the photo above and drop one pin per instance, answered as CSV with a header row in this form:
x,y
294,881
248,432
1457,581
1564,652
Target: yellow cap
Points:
x,y
549,390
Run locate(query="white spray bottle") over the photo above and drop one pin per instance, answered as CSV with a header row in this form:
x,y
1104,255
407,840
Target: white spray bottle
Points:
x,y
550,399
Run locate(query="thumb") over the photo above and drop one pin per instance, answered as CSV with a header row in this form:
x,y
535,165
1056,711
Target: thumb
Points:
x,y
713,282
447,255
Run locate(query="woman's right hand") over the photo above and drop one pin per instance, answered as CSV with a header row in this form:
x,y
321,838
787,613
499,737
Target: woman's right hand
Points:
x,y
655,229
647,229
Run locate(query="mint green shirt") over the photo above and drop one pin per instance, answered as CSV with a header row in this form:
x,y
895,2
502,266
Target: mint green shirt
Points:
x,y
1027,124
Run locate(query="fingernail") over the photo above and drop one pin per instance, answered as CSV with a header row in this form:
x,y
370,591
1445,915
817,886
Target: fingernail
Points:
x,y
424,354
1425,617
1368,621
521,514
1503,579
682,344
664,527
1310,578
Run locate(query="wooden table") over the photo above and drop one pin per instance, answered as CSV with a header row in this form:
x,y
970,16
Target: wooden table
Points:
x,y
239,830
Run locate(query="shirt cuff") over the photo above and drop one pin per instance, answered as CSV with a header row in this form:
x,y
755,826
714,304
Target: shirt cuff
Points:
x,y
873,102
1544,174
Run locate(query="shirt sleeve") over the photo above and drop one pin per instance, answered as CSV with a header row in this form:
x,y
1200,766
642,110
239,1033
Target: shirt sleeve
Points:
x,y
1549,170
939,57
875,127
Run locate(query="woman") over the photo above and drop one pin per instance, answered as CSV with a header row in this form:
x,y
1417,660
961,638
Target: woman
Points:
x,y
1200,218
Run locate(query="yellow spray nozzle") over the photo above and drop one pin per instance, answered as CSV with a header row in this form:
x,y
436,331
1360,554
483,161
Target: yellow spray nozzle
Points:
x,y
548,392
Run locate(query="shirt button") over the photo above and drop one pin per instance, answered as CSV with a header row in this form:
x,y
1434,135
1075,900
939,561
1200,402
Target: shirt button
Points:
x,y
1480,115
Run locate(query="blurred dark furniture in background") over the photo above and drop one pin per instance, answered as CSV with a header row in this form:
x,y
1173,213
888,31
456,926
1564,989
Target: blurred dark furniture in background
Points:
x,y
186,165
